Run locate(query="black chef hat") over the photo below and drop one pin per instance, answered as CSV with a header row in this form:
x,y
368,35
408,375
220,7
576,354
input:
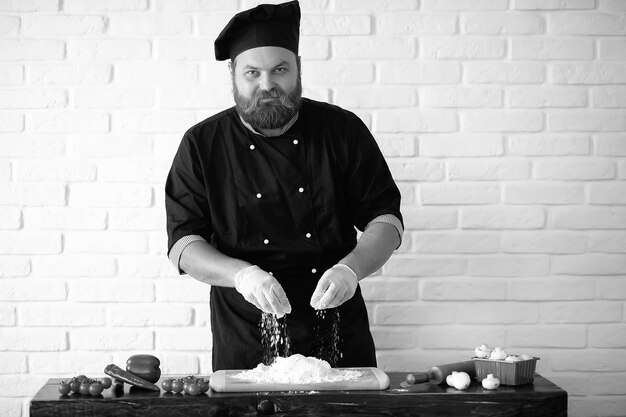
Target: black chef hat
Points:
x,y
264,25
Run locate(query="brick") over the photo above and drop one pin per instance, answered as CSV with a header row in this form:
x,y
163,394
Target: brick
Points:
x,y
64,219
509,266
10,218
608,241
197,5
502,121
31,50
574,169
542,48
32,339
464,144
581,312
385,338
147,73
61,315
587,24
75,266
11,122
362,47
54,170
13,363
29,5
416,120
181,290
69,74
329,24
455,243
39,194
612,49
67,121
505,217
543,193
503,24
134,170
555,144
425,266
67,363
589,264
105,5
588,406
397,145
587,121
609,97
590,360
458,337
376,5
388,289
553,4
172,363
110,49
106,146
60,25
185,49
458,97
146,266
21,385
420,170
153,121
5,175
157,242
589,73
32,290
488,169
133,25
462,289
465,5
588,218
23,243
314,47
607,335
196,97
407,191
504,73
468,47
612,5
544,243
184,339
210,25
7,316
607,193
125,98
32,99
498,313
389,314
136,219
608,384
110,195
411,72
9,25
553,288
570,337
104,242
448,193
425,218
338,72
118,290
11,74
147,315
533,97
113,339
408,23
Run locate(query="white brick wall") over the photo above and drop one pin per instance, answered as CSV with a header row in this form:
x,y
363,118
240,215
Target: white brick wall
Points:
x,y
503,121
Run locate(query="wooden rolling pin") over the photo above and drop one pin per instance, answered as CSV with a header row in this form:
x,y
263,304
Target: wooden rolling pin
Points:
x,y
437,374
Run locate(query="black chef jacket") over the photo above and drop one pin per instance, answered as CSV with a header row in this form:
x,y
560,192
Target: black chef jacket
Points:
x,y
290,205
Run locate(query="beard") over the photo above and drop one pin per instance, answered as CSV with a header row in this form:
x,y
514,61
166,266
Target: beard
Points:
x,y
271,114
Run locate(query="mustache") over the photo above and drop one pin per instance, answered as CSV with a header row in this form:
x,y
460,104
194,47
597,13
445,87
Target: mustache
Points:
x,y
276,93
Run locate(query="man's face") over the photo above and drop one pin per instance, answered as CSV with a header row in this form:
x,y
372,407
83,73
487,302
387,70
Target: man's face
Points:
x,y
266,86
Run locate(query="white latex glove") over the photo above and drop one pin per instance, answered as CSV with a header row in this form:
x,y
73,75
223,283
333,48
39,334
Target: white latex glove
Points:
x,y
336,286
263,290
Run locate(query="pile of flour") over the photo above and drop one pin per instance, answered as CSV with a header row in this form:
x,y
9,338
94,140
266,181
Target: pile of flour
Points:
x,y
297,369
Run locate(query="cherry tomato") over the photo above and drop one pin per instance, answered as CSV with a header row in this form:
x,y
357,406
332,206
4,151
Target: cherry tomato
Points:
x,y
95,389
64,388
204,386
192,389
75,385
167,385
177,385
106,382
84,388
81,377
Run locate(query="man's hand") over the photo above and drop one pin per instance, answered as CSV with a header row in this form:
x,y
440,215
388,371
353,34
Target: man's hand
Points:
x,y
335,287
263,290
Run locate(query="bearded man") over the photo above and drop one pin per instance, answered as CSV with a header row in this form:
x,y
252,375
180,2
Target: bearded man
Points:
x,y
264,201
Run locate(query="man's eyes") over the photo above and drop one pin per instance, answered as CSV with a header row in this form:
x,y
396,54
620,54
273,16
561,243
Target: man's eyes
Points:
x,y
255,73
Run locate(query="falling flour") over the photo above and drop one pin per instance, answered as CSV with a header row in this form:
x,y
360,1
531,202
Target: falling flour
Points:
x,y
274,337
297,369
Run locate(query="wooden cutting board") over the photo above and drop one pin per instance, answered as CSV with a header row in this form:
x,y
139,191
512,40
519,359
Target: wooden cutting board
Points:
x,y
370,379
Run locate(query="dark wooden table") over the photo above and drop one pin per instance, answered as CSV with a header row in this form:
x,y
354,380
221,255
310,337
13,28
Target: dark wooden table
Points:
x,y
541,398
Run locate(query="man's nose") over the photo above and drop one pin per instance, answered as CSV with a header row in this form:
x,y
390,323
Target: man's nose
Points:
x,y
266,82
